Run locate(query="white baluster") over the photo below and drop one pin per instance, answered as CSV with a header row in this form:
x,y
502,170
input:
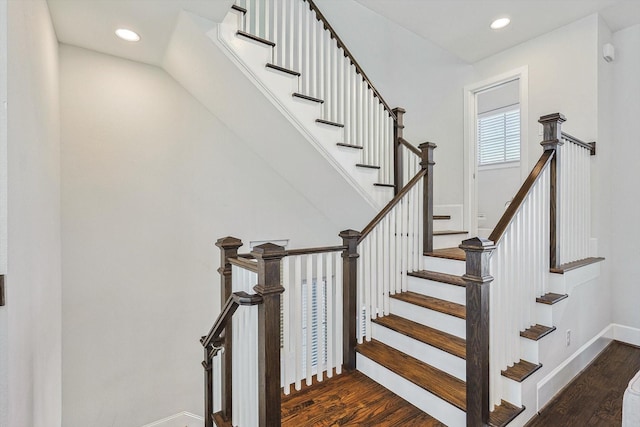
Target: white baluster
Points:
x,y
338,314
286,320
297,321
309,316
320,316
331,302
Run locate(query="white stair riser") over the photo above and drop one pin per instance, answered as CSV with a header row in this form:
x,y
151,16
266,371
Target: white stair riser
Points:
x,y
427,402
448,240
433,356
434,319
444,265
530,350
512,391
445,291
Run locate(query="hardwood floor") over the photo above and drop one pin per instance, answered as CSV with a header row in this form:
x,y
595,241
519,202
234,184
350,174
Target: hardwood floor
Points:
x,y
594,398
351,399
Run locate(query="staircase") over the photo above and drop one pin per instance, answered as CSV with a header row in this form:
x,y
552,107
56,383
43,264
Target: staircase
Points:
x,y
403,289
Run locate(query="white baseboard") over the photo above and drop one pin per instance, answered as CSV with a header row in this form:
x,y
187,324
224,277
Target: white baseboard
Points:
x,y
550,385
182,419
626,334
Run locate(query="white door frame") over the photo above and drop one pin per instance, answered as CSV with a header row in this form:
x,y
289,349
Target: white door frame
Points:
x,y
470,144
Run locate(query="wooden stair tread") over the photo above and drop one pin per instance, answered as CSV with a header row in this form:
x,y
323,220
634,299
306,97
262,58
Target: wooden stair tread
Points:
x,y
362,165
449,232
239,8
441,217
439,277
536,332
575,264
283,69
357,147
435,304
380,184
219,421
433,337
521,370
350,399
255,38
308,98
551,298
503,414
448,253
330,123
441,384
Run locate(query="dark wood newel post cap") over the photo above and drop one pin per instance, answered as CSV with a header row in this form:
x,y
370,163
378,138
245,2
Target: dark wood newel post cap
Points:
x,y
427,154
229,242
350,234
268,256
477,244
399,110
269,251
552,130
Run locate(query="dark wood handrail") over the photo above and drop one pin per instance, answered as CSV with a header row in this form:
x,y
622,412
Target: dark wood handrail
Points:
x,y
309,251
348,54
415,150
375,221
591,146
244,263
235,300
526,187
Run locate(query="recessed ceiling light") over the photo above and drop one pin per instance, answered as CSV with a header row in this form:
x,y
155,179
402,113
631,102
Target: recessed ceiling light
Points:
x,y
500,23
128,35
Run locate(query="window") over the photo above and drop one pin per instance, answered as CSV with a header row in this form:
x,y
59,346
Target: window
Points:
x,y
499,136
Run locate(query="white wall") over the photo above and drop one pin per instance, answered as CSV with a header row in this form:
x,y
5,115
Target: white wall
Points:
x,y
415,74
562,67
150,180
623,182
32,315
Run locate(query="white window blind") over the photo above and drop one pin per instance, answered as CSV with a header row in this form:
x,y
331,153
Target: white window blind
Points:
x,y
499,137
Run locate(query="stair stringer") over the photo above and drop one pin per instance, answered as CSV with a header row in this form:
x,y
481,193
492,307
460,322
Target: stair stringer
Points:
x,y
208,74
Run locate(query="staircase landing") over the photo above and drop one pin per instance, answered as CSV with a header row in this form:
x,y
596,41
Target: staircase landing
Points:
x,y
351,399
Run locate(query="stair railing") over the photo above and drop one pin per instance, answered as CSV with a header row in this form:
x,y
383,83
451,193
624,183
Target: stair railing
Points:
x,y
506,273
393,244
306,44
249,366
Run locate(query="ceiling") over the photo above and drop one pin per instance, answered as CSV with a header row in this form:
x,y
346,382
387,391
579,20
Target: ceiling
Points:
x,y
91,23
459,26
462,26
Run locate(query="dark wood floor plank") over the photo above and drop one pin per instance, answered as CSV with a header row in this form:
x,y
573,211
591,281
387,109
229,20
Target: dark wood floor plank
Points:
x,y
433,337
594,398
436,304
443,385
350,399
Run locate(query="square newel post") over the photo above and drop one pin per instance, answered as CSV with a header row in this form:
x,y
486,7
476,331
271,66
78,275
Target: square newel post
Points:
x,y
269,286
552,134
426,162
349,297
228,249
477,278
398,135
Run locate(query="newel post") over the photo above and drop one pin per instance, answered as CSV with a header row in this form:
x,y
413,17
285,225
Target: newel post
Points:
x,y
426,162
398,135
269,286
477,278
228,249
552,134
349,295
